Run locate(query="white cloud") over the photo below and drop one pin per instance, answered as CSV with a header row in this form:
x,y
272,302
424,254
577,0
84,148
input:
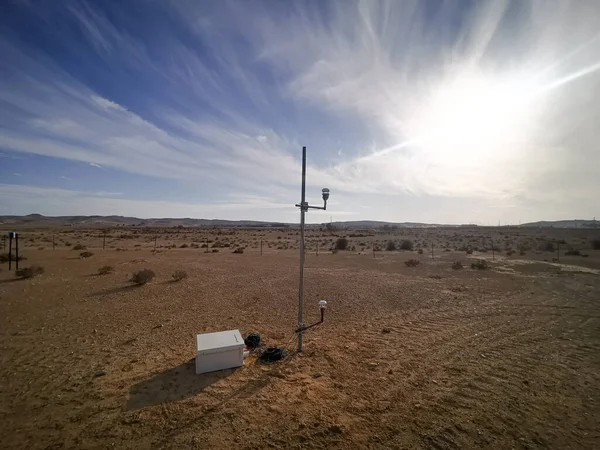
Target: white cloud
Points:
x,y
96,165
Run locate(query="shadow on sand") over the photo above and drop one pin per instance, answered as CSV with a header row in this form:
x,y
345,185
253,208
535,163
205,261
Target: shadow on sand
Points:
x,y
115,290
175,384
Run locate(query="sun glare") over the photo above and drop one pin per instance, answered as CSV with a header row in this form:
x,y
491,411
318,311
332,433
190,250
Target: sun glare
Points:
x,y
474,118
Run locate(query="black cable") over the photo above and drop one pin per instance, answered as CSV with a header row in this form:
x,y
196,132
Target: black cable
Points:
x,y
253,341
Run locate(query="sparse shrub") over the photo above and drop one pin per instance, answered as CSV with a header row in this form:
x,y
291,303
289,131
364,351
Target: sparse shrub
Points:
x,y
412,262
469,251
341,244
105,270
238,250
457,265
78,247
215,250
183,246
547,247
86,254
596,244
41,248
391,246
573,253
480,264
4,257
68,244
406,245
142,277
30,272
420,251
179,275
510,252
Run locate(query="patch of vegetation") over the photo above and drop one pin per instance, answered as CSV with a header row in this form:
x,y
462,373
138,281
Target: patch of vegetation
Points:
x,y
596,244
572,253
179,275
86,254
420,251
142,277
457,265
469,251
238,250
480,264
341,244
406,245
4,257
30,272
79,247
215,250
391,246
547,247
412,262
183,246
105,270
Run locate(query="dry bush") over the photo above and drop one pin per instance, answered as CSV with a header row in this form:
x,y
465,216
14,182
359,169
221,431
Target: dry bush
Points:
x,y
341,244
572,253
142,277
86,254
4,257
480,264
412,262
406,245
596,244
457,265
183,246
79,247
420,251
30,272
105,270
469,251
179,275
238,250
390,246
547,247
216,250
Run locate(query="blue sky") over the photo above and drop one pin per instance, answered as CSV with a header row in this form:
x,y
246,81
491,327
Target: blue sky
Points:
x,y
434,111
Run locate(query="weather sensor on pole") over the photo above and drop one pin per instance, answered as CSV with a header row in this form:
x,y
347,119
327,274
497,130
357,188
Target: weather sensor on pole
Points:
x,y
304,206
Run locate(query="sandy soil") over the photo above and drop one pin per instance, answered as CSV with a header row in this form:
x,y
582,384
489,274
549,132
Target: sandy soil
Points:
x,y
408,357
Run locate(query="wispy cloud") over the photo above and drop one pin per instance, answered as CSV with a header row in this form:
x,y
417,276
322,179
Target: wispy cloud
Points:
x,y
491,101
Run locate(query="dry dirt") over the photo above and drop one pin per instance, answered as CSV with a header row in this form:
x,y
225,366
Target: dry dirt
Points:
x,y
408,357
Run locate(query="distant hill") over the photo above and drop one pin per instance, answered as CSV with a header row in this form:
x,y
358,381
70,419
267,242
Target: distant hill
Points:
x,y
39,221
575,223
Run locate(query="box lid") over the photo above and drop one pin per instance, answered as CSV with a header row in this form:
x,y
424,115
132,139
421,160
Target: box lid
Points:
x,y
220,341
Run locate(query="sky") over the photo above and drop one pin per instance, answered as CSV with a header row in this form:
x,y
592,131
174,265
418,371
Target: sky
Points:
x,y
424,111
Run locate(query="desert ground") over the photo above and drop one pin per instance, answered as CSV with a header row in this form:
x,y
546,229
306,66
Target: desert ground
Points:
x,y
429,356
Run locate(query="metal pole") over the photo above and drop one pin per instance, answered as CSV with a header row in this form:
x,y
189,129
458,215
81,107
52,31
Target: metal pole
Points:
x,y
301,284
10,252
155,238
104,241
558,252
317,247
17,251
432,250
261,247
492,250
53,246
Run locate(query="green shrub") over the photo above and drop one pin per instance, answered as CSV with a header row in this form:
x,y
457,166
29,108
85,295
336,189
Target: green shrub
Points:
x,y
341,244
406,245
30,272
86,254
105,270
390,246
179,275
142,277
480,264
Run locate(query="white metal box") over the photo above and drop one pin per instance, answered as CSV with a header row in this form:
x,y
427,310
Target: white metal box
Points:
x,y
217,351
